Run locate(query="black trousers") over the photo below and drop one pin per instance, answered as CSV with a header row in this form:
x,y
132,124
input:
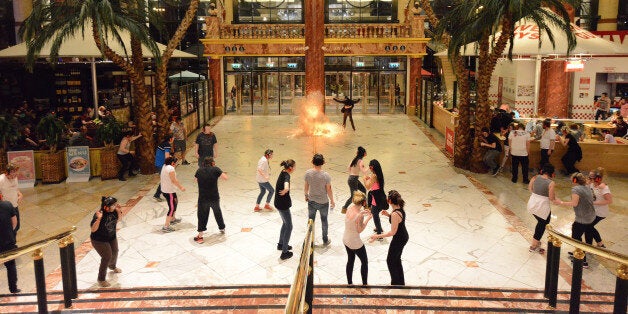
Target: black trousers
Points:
x,y
364,269
346,114
204,207
394,261
540,226
578,229
544,158
354,185
569,162
126,161
11,268
594,234
525,164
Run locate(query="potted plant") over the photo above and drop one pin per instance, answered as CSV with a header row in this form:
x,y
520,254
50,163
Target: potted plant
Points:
x,y
52,162
8,134
109,132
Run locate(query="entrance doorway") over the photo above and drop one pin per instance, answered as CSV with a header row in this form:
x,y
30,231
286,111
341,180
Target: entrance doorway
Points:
x,y
264,93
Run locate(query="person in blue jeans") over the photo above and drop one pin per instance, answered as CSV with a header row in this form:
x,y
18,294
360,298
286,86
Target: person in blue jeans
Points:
x,y
283,202
318,193
262,177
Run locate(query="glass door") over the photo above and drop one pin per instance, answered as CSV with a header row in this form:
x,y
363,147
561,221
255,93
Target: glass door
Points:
x,y
238,91
392,92
265,93
337,85
292,90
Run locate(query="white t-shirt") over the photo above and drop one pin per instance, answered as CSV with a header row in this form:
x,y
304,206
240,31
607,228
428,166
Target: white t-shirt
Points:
x,y
600,210
548,136
8,189
518,140
166,184
263,165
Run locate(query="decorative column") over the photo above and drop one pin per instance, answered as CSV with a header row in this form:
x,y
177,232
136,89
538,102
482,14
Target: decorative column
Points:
x,y
215,77
21,10
314,40
554,92
413,88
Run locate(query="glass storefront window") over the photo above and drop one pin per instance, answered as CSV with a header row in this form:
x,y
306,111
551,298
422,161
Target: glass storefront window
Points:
x,y
361,11
268,11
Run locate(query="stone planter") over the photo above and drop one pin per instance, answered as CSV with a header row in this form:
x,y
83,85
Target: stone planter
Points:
x,y
53,167
109,164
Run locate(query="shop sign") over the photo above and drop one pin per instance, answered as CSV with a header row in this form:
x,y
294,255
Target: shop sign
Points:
x,y
585,83
393,65
359,64
236,66
77,159
26,161
291,65
574,66
449,140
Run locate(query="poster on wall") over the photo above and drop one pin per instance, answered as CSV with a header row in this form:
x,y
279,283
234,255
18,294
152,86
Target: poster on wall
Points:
x,y
77,158
449,140
525,90
25,160
585,83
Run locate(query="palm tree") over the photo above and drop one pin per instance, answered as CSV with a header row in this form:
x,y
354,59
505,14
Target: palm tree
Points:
x,y
462,140
478,20
55,22
162,69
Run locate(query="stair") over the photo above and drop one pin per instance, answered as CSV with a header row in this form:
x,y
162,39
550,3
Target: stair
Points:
x,y
328,299
449,77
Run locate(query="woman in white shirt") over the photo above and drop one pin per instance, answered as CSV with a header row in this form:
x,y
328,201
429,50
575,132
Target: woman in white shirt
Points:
x,y
356,220
602,197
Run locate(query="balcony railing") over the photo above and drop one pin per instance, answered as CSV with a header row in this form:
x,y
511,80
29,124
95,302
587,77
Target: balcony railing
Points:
x,y
216,29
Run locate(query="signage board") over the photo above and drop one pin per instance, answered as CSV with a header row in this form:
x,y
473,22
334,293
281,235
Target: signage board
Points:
x,y
77,159
25,160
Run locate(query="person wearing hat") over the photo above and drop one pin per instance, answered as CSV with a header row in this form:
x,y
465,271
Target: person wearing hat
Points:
x,y
104,238
262,177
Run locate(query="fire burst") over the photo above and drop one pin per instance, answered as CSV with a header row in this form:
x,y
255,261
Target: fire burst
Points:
x,y
312,120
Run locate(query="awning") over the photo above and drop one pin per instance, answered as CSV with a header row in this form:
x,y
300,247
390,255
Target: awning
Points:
x,y
186,75
85,47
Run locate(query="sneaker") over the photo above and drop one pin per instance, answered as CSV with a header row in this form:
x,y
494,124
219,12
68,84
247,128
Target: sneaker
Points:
x,y
158,199
185,162
279,248
601,246
121,179
167,229
257,208
326,243
286,255
199,240
16,291
585,265
495,171
104,283
175,221
222,231
268,207
115,270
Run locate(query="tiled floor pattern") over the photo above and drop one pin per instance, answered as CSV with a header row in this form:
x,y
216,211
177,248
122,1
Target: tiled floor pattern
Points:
x,y
459,234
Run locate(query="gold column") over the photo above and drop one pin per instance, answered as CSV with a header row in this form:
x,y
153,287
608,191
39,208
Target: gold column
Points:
x,y
314,40
554,90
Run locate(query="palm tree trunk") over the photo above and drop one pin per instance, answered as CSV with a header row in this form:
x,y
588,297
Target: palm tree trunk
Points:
x,y
462,144
162,68
483,110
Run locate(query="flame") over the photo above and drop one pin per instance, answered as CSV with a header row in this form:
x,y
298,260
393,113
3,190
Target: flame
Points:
x,y
312,120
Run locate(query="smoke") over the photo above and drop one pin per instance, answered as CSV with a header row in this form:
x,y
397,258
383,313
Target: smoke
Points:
x,y
312,120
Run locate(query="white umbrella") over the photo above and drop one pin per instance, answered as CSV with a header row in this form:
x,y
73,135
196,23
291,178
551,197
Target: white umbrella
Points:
x,y
186,75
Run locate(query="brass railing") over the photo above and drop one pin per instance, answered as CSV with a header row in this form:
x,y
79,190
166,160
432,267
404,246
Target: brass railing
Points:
x,y
302,289
68,266
555,240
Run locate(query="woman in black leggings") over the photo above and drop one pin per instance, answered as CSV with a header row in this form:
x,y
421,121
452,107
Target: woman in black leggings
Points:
x,y
376,197
355,168
355,222
400,237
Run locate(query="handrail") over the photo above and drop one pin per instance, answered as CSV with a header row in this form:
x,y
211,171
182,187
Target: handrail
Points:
x,y
31,247
555,240
296,298
612,255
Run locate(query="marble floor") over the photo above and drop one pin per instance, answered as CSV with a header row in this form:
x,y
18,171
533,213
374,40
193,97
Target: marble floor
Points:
x,y
465,229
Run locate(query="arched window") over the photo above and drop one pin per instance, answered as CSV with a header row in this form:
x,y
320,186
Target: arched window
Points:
x,y
268,11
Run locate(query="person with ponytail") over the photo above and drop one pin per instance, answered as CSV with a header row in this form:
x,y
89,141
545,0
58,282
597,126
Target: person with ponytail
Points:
x,y
355,168
103,237
582,202
355,222
283,202
602,197
542,188
376,196
400,238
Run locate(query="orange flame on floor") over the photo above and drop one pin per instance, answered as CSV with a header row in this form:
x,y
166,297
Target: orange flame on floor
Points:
x,y
312,120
